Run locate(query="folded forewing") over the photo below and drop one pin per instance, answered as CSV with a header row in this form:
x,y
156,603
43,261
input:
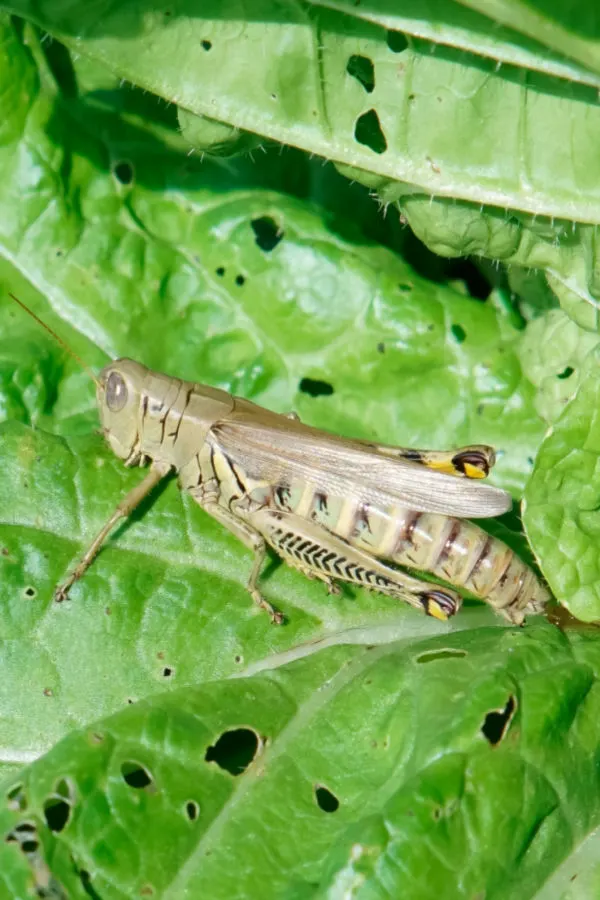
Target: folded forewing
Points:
x,y
280,450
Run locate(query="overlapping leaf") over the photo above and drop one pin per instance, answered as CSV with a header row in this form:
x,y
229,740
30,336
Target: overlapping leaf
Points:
x,y
245,289
213,272
515,711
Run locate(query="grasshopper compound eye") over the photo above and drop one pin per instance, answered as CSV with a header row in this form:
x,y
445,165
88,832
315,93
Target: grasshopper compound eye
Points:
x,y
116,392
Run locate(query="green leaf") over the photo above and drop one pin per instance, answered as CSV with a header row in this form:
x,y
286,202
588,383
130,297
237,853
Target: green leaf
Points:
x,y
437,731
454,25
394,109
261,292
561,500
230,273
571,28
408,120
553,355
193,269
565,251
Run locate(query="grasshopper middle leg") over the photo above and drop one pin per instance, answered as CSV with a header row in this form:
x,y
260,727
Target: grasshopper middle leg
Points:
x,y
252,539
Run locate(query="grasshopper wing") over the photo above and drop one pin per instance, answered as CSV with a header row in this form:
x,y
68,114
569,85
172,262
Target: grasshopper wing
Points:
x,y
274,449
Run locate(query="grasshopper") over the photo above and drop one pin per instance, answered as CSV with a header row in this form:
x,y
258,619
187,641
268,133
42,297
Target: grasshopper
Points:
x,y
337,509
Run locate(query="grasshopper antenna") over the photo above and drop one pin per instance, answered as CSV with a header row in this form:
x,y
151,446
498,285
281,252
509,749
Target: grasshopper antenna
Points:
x,y
58,339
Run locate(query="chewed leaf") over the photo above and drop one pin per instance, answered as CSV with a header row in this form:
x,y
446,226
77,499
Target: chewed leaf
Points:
x,y
184,777
374,94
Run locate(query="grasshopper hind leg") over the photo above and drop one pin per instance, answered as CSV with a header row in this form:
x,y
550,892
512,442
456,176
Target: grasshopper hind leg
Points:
x,y
474,461
318,553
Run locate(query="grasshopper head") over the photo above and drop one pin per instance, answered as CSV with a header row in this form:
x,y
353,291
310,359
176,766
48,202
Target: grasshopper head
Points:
x,y
119,392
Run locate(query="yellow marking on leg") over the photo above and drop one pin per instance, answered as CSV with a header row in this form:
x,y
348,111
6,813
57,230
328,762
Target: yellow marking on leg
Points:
x,y
473,471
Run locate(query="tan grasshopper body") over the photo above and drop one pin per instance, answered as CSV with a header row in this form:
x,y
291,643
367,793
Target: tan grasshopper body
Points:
x,y
331,507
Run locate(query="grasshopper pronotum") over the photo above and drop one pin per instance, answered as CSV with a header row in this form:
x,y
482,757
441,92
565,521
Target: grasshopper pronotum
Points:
x,y
332,507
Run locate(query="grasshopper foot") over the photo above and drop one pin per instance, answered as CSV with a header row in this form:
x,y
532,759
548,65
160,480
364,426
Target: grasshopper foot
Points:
x,y
277,618
62,591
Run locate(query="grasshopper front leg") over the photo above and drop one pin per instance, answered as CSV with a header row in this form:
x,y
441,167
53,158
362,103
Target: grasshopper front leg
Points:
x,y
124,509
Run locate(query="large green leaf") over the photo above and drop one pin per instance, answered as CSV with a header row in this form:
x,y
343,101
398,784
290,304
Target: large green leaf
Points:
x,y
191,271
369,99
257,318
222,272
478,751
397,98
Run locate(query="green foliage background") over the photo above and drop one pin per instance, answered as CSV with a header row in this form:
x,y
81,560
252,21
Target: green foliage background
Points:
x,y
165,196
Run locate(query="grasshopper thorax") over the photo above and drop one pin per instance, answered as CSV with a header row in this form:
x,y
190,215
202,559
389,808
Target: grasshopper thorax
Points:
x,y
119,395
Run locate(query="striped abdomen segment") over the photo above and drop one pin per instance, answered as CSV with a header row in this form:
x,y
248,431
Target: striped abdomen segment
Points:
x,y
453,549
464,555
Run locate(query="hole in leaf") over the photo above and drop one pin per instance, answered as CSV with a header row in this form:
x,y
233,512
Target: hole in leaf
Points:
x,y
433,655
29,592
566,373
167,672
25,835
361,68
57,806
123,171
326,801
267,233
30,846
220,271
234,750
396,41
56,813
65,790
368,132
206,45
315,388
496,722
192,810
25,828
135,775
240,280
458,333
16,798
